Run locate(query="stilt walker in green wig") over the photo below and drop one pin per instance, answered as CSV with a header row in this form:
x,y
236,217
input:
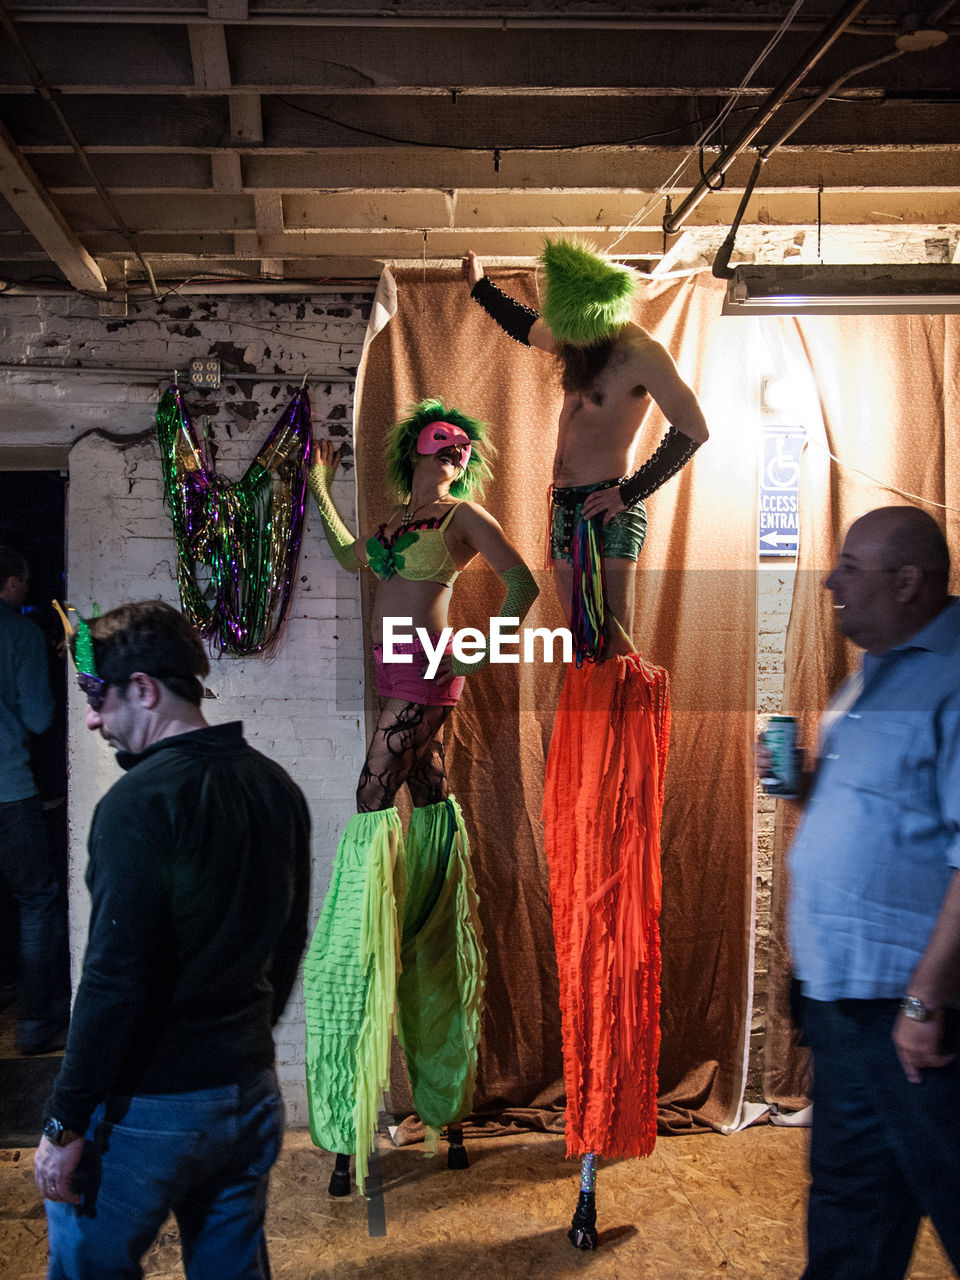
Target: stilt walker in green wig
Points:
x,y
398,942
612,373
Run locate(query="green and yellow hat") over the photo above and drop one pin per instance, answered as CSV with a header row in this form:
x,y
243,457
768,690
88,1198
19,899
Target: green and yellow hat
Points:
x,y
80,644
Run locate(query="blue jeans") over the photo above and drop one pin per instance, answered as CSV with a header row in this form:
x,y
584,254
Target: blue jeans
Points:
x,y
43,996
204,1156
883,1152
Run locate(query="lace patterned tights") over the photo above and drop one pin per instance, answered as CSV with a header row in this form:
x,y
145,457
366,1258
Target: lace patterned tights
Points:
x,y
407,747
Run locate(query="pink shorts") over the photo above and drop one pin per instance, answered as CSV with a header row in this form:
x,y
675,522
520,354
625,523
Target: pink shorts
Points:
x,y
404,679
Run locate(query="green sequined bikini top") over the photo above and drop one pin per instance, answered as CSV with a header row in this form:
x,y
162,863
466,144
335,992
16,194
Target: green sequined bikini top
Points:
x,y
418,555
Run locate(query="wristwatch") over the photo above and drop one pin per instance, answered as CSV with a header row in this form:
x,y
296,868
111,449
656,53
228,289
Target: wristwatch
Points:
x,y
912,1007
54,1132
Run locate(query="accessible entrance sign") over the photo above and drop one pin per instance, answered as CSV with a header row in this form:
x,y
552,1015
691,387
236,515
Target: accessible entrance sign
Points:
x,y
779,524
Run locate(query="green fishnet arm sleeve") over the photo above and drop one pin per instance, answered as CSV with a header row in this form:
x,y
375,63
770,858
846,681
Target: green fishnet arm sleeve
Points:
x,y
340,538
521,593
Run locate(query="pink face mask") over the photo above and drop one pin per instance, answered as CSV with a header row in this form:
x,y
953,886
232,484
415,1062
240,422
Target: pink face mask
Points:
x,y
444,435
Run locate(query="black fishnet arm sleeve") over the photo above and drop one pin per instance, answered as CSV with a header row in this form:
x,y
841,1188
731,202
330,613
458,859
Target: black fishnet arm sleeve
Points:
x,y
674,452
513,317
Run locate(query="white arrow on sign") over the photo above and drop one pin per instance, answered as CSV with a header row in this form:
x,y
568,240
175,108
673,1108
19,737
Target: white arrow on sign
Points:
x,y
776,539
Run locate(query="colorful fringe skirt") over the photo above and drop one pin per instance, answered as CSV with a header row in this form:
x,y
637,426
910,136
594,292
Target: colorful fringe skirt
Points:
x,y
399,932
601,811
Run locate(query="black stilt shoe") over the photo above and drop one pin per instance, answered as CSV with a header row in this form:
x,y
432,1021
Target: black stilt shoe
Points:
x,y
456,1151
583,1228
340,1178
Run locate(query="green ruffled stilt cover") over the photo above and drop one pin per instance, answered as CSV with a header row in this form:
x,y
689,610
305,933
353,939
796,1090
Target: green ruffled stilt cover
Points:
x,y
443,967
350,982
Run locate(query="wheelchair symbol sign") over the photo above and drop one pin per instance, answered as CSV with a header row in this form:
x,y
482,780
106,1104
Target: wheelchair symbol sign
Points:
x,y
779,523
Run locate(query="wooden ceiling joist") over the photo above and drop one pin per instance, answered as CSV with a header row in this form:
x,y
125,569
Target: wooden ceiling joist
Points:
x,y
35,209
230,137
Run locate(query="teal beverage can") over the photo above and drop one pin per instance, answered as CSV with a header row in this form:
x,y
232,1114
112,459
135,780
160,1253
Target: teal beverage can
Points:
x,y
780,738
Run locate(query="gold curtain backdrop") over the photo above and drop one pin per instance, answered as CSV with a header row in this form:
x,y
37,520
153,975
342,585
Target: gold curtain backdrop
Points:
x,y
696,616
882,394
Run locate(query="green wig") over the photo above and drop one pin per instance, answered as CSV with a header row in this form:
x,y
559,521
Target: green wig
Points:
x,y
587,297
401,452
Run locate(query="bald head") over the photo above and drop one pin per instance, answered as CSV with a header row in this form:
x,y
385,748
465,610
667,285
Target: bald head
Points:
x,y
908,536
890,578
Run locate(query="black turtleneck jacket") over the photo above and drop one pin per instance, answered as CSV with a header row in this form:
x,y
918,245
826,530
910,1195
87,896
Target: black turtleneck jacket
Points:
x,y
199,879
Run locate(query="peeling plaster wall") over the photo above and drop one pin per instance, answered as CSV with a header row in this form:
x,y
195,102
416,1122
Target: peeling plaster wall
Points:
x,y
304,704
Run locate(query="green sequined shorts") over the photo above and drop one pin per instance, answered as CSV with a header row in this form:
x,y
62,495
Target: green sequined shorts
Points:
x,y
622,537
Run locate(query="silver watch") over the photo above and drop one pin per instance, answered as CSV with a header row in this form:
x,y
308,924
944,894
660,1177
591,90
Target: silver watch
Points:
x,y
57,1133
912,1007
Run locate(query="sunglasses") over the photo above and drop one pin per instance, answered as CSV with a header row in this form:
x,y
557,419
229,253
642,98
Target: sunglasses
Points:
x,y
94,688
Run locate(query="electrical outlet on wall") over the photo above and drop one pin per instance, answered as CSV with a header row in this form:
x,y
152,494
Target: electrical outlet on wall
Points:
x,y
205,372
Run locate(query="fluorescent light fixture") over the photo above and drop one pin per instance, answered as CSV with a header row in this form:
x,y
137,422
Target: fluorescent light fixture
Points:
x,y
874,290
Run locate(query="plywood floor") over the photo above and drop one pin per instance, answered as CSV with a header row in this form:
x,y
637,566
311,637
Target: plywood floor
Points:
x,y
704,1206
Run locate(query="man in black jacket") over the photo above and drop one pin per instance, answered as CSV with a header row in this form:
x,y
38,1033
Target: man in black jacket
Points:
x,y
198,872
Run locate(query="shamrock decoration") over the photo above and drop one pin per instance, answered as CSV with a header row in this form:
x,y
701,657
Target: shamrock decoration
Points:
x,y
386,561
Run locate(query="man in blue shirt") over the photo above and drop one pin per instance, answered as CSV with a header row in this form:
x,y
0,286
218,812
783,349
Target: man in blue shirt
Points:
x,y
26,863
874,910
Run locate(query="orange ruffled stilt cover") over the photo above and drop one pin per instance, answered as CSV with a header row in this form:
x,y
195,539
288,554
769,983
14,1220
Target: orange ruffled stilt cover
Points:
x,y
601,812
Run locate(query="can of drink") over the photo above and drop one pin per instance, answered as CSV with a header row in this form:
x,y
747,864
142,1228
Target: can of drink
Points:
x,y
780,737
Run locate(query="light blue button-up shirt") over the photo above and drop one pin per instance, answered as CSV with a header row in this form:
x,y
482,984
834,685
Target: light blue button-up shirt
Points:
x,y
880,835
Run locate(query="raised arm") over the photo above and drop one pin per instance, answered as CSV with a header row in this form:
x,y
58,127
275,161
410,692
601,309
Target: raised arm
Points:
x,y
482,535
517,320
345,547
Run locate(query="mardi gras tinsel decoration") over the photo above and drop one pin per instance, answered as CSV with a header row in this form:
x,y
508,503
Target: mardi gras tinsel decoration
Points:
x,y
238,543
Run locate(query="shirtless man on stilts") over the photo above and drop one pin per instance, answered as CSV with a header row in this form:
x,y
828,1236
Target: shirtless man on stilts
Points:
x,y
612,371
602,838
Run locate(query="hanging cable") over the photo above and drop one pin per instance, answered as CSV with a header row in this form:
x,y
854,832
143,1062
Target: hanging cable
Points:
x,y
721,264
883,484
773,101
46,93
712,127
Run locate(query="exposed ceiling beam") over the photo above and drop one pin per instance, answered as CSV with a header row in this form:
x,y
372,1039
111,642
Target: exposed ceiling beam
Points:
x,y
246,137
208,53
268,209
225,171
634,171
379,213
246,119
36,210
228,10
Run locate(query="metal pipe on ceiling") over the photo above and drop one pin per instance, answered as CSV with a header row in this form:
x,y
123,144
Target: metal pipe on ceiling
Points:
x,y
443,21
163,375
170,289
674,221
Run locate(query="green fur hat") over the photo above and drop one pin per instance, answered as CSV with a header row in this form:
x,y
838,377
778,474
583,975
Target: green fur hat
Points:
x,y
587,297
401,452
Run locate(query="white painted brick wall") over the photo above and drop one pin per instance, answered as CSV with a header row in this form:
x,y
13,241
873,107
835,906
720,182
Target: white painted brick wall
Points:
x,y
774,596
303,705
